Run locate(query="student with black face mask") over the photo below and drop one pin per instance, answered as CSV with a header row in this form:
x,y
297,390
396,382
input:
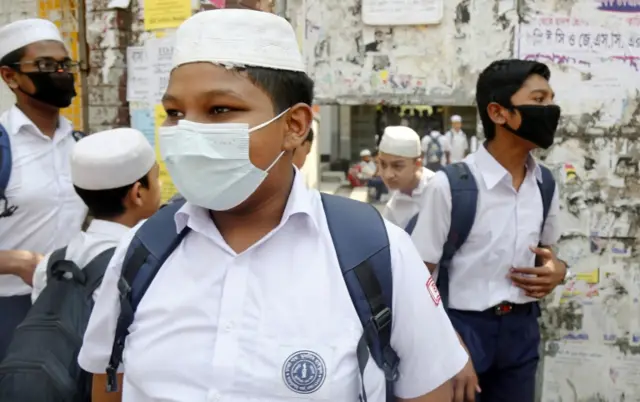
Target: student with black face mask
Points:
x,y
488,225
39,209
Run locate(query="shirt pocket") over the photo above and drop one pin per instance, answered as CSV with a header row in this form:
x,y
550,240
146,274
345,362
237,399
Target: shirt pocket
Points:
x,y
312,369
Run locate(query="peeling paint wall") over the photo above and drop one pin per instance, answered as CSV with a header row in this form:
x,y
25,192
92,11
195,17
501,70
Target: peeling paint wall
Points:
x,y
435,64
108,32
592,324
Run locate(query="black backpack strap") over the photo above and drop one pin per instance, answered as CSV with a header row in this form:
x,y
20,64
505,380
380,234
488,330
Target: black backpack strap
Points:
x,y
464,203
547,188
55,258
360,239
152,244
411,225
78,135
95,269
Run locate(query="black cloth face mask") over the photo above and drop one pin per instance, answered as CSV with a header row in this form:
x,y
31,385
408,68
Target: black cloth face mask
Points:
x,y
55,89
539,123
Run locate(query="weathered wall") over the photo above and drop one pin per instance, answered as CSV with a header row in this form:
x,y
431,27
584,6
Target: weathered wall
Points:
x,y
593,55
591,324
108,32
420,65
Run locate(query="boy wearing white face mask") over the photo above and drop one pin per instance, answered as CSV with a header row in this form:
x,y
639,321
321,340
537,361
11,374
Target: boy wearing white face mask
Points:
x,y
248,289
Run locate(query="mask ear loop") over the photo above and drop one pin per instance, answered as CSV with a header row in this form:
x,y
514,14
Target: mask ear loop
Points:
x,y
266,123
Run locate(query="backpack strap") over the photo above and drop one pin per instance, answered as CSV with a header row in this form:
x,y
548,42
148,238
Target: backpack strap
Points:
x,y
90,276
412,224
78,135
95,269
55,258
362,246
464,202
5,171
547,188
152,244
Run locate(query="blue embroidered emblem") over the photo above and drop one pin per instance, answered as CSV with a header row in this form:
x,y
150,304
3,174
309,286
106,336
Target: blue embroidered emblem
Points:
x,y
304,372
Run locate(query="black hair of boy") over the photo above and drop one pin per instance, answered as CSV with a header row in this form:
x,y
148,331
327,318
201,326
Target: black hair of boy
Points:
x,y
285,88
108,204
499,82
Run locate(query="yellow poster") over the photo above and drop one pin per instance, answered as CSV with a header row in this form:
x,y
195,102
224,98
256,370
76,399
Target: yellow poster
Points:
x,y
168,189
162,14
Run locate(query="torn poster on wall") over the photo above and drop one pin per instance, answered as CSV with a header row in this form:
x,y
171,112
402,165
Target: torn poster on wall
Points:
x,y
402,12
160,58
137,74
607,55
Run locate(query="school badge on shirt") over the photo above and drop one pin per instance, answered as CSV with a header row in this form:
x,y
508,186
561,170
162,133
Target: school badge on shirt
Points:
x,y
304,372
433,291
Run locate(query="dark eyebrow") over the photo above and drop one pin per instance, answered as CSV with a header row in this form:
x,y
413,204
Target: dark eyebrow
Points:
x,y
544,92
209,94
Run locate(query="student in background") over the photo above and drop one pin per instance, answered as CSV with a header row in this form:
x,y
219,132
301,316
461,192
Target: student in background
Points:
x,y
300,154
116,175
400,166
457,139
360,173
39,210
505,263
436,151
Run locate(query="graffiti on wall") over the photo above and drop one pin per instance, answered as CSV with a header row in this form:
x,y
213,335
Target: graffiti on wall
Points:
x,y
353,63
620,6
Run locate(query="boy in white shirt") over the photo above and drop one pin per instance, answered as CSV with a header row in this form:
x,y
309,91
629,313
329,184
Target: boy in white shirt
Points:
x,y
400,166
457,140
436,150
116,175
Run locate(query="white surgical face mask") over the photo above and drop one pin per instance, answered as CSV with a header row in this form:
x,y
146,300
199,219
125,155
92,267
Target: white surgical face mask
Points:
x,y
209,163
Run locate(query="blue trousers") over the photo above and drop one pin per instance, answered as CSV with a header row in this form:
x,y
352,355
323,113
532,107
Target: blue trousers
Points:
x,y
504,351
378,185
12,311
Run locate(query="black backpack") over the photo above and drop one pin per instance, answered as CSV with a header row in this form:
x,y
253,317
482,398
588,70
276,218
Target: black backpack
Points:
x,y
41,362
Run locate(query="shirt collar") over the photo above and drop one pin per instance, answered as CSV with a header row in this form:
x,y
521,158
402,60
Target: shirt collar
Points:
x,y
492,172
300,203
19,120
99,226
422,184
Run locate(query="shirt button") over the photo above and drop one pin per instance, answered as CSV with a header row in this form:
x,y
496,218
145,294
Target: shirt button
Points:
x,y
228,327
213,396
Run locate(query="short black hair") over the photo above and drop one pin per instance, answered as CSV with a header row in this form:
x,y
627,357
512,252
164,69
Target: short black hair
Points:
x,y
499,82
309,138
285,88
11,59
108,204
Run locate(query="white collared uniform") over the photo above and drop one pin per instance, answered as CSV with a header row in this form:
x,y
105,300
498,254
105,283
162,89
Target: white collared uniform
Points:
x,y
49,211
401,207
506,224
459,144
84,247
219,326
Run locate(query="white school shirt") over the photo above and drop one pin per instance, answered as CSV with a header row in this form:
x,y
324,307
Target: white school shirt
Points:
x,y
402,207
49,211
473,144
257,326
101,235
459,145
506,224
